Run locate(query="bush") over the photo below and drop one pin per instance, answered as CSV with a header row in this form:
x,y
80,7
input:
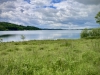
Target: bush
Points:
x,y
91,34
84,33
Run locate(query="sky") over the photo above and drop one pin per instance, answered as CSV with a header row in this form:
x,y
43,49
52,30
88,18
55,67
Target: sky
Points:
x,y
60,14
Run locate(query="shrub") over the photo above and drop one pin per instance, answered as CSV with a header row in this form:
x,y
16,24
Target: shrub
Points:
x,y
84,33
91,34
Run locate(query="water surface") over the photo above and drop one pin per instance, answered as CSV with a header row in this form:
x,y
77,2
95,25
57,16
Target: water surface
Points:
x,y
39,35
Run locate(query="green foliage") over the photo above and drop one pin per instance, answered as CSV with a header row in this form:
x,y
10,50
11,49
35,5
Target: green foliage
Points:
x,y
84,33
95,32
92,34
11,26
97,17
50,57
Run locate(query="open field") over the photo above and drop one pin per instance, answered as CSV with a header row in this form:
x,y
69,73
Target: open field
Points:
x,y
50,57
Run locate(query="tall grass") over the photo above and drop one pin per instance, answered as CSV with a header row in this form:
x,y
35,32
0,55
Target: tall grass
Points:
x,y
50,57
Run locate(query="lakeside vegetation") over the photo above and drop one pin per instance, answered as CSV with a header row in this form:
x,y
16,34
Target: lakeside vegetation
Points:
x,y
90,34
50,57
5,26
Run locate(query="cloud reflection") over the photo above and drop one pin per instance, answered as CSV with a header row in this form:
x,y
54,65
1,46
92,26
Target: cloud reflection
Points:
x,y
41,35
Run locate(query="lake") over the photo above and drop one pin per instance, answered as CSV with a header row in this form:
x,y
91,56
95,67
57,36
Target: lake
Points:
x,y
7,36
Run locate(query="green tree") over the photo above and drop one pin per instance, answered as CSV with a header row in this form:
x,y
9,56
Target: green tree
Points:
x,y
97,17
11,26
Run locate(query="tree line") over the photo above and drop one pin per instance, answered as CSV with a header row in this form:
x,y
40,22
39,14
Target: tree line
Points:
x,y
5,26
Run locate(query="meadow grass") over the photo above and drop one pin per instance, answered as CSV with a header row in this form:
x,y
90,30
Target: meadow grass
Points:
x,y
50,57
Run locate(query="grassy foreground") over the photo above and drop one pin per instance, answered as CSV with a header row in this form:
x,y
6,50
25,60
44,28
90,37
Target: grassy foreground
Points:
x,y
50,57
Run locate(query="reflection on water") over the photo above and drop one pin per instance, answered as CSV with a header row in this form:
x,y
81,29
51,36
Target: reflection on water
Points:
x,y
6,35
39,35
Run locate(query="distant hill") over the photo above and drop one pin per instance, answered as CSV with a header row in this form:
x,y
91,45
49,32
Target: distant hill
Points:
x,y
5,26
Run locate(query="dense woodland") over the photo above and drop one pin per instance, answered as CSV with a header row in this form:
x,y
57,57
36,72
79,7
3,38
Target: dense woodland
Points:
x,y
10,26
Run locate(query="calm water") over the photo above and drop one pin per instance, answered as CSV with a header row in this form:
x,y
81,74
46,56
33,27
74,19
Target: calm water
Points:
x,y
39,35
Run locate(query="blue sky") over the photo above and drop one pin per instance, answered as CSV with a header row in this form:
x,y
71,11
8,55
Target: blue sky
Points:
x,y
27,1
51,13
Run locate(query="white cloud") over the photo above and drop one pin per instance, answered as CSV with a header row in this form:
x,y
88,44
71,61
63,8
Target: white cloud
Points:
x,y
40,14
89,1
39,3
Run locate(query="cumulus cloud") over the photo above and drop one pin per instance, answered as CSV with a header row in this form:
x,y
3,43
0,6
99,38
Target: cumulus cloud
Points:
x,y
39,3
48,14
89,1
2,1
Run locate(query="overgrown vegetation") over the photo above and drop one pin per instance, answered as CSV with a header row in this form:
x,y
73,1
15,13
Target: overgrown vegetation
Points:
x,y
4,26
50,57
91,34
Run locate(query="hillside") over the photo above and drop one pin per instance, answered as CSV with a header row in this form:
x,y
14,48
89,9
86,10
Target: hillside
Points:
x,y
10,26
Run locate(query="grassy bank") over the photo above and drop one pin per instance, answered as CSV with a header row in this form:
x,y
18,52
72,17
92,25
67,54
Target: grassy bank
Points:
x,y
49,57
